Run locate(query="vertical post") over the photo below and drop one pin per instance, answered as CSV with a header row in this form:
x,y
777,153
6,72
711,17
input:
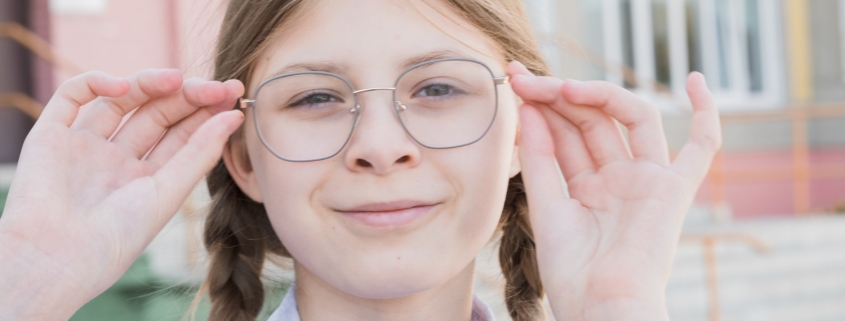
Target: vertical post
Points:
x,y
799,55
643,43
676,13
712,278
800,162
709,43
613,40
717,186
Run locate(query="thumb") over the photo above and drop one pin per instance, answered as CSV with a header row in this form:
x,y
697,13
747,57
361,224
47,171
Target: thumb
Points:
x,y
543,185
177,178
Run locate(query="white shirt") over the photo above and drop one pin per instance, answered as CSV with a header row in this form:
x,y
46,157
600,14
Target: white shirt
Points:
x,y
287,309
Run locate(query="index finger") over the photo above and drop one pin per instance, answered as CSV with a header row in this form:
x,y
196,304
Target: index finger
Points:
x,y
80,90
105,114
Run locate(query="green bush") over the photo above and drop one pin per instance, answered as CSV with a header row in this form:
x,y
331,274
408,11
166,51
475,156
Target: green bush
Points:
x,y
140,296
3,192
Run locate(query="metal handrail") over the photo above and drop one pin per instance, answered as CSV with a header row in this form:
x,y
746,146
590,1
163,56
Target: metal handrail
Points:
x,y
709,240
38,46
23,102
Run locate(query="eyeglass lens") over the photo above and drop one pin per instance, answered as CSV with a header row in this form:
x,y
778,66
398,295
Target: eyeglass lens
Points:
x,y
311,116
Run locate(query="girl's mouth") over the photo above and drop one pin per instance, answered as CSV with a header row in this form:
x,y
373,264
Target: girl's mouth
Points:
x,y
389,214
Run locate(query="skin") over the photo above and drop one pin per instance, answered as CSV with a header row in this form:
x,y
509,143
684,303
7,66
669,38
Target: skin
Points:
x,y
382,163
104,201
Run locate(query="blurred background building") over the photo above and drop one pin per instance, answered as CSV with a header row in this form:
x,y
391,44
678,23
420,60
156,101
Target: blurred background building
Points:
x,y
762,242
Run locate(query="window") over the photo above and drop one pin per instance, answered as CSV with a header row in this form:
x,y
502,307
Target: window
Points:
x,y
735,43
543,17
78,6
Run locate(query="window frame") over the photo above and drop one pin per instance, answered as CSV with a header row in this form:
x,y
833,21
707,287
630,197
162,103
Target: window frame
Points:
x,y
738,98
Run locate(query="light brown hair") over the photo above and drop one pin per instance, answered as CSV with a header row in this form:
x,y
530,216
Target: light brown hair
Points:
x,y
238,234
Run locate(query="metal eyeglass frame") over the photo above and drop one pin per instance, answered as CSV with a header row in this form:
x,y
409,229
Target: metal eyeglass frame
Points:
x,y
397,105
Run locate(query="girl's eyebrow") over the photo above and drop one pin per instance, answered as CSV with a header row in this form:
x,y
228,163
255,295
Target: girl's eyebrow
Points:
x,y
336,68
432,55
311,66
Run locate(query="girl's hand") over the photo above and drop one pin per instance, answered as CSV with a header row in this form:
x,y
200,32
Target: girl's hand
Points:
x,y
605,252
86,201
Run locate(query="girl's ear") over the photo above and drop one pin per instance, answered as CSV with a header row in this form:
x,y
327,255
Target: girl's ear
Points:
x,y
236,159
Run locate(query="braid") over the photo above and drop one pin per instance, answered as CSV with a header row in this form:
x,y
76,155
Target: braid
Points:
x,y
237,236
238,232
523,289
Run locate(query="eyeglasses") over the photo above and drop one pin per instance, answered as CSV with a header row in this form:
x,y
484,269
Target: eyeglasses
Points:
x,y
310,116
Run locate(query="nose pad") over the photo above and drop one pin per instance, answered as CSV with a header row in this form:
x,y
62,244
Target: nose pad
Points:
x,y
383,146
399,106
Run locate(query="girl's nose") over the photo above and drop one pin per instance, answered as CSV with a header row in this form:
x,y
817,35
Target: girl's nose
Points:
x,y
380,144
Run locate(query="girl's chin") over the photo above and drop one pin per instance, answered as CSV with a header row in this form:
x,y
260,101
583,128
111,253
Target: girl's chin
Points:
x,y
398,281
388,283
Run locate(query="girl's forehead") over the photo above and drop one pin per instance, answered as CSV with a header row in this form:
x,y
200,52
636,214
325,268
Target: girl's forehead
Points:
x,y
353,37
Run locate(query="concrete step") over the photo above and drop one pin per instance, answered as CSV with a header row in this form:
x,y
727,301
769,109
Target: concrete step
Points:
x,y
800,277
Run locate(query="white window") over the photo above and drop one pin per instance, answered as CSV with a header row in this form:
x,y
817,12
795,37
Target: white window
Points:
x,y
735,43
543,17
78,6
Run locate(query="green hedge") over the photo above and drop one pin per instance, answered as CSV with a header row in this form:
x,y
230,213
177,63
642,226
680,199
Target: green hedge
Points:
x,y
140,296
4,191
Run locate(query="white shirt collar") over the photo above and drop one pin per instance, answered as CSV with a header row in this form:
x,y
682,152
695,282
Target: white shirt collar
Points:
x,y
287,309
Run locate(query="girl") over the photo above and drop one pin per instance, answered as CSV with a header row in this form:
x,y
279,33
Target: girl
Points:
x,y
385,143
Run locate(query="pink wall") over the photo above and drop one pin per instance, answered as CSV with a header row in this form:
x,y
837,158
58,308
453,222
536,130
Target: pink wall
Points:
x,y
750,199
133,35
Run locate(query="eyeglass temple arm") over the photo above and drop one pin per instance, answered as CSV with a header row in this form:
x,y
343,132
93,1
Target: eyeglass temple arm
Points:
x,y
249,103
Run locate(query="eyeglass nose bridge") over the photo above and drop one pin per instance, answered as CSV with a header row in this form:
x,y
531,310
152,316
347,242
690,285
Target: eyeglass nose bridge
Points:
x,y
373,89
396,104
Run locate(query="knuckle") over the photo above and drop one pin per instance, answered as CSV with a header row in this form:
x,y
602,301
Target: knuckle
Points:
x,y
160,117
606,89
182,135
74,82
651,113
711,141
152,86
605,85
113,106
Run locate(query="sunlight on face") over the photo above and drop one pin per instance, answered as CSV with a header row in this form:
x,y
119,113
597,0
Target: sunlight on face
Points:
x,y
327,212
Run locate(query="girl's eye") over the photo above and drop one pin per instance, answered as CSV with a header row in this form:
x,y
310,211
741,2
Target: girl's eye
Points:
x,y
315,99
436,90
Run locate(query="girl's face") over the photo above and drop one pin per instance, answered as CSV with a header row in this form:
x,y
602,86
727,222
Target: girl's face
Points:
x,y
346,219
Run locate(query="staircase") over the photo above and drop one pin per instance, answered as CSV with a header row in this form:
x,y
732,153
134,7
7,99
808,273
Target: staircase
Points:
x,y
800,277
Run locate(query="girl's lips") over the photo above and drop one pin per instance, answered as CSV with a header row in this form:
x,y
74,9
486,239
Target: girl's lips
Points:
x,y
388,214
